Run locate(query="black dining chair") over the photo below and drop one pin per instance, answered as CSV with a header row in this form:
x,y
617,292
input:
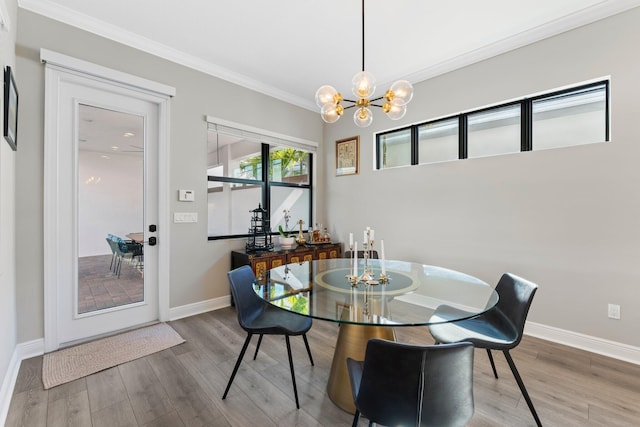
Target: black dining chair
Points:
x,y
501,328
413,385
256,316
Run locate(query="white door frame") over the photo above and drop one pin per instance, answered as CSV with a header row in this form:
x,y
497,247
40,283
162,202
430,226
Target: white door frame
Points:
x,y
58,65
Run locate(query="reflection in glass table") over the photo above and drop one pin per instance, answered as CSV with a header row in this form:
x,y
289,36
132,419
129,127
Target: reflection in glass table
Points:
x,y
320,289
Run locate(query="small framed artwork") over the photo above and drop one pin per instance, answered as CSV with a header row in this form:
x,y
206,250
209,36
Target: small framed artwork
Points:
x,y
10,109
348,156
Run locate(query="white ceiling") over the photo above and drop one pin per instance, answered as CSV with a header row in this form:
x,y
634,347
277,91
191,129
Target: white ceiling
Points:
x,y
289,48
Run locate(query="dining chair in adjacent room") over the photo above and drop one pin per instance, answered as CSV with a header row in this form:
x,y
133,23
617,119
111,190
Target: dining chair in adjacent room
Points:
x,y
257,316
500,328
413,385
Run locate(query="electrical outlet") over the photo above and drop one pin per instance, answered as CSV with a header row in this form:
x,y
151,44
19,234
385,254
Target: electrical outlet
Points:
x,y
614,311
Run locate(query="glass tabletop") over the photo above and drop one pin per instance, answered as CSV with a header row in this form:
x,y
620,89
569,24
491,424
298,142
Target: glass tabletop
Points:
x,y
321,289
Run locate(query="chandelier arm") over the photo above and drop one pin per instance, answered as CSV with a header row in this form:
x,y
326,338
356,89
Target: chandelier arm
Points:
x,y
376,105
377,99
350,100
350,106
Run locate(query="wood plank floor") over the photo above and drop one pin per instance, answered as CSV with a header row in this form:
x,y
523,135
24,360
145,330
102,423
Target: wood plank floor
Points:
x,y
182,386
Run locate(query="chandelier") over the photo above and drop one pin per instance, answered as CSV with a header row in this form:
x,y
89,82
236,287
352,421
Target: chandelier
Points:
x,y
393,102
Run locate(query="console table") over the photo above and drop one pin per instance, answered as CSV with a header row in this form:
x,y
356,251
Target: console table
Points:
x,y
262,261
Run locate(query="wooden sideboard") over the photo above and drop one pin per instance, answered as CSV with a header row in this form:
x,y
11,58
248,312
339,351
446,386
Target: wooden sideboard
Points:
x,y
263,261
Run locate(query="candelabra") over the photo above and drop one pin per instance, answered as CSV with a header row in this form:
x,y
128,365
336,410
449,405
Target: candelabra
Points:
x,y
367,277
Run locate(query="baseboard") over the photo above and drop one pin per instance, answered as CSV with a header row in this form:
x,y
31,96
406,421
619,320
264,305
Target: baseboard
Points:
x,y
596,345
22,351
199,307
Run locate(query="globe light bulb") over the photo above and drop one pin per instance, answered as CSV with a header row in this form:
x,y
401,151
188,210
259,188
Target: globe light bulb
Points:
x,y
402,92
363,84
362,117
330,112
324,95
394,110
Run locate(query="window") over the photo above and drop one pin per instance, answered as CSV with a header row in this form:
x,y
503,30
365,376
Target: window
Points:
x,y
564,118
493,132
237,183
438,141
396,148
570,118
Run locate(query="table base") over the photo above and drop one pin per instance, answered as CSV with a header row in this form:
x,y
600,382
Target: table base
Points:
x,y
352,342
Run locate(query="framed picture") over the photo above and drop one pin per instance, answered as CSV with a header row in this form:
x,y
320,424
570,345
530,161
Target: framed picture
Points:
x,y
10,109
348,156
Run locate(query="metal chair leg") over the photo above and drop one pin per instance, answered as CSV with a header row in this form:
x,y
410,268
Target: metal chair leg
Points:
x,y
356,417
523,389
493,365
257,347
306,344
293,374
235,368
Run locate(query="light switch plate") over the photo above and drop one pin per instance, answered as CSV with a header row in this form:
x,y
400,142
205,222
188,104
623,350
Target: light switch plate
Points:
x,y
184,217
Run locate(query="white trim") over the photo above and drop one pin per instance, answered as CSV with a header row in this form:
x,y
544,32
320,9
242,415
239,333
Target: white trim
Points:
x,y
104,73
150,91
253,129
597,345
199,307
21,352
96,26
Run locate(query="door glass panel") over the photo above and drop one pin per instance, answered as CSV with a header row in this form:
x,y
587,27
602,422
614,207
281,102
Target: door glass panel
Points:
x,y
110,209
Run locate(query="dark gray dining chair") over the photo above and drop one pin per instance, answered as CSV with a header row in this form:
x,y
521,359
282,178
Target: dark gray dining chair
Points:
x,y
413,385
501,328
257,316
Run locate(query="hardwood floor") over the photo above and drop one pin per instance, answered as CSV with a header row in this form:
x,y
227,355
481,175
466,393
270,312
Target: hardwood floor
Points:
x,y
182,386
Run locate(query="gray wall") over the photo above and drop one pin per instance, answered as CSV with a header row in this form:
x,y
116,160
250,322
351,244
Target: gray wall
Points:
x,y
566,218
198,267
8,319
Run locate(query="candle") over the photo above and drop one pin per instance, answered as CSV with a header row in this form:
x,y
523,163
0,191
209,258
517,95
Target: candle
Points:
x,y
350,240
355,260
371,234
384,270
365,238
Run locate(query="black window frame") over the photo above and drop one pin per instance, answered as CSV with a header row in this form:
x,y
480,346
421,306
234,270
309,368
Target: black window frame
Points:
x,y
266,185
526,123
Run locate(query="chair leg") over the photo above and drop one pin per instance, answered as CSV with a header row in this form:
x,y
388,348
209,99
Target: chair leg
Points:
x,y
356,417
257,347
493,365
306,344
523,389
235,368
293,375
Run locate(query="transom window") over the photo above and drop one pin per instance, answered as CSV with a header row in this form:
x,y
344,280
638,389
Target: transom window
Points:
x,y
564,118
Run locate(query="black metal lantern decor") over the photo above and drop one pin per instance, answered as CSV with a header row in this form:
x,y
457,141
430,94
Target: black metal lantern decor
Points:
x,y
259,232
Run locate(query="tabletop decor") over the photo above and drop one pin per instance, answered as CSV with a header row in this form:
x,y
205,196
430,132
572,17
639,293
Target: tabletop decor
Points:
x,y
367,277
259,232
286,239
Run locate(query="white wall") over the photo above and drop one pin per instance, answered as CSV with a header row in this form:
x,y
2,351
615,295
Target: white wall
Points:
x,y
198,266
110,198
8,319
567,219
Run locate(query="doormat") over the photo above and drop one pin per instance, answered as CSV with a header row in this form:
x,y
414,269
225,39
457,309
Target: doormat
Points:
x,y
71,363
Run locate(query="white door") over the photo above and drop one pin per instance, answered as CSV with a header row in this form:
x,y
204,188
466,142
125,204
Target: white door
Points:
x,y
102,233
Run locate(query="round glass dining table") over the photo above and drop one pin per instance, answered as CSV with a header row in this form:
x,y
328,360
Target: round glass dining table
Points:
x,y
324,289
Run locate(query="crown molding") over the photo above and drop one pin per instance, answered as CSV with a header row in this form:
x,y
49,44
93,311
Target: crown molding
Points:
x,y
117,34
70,17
